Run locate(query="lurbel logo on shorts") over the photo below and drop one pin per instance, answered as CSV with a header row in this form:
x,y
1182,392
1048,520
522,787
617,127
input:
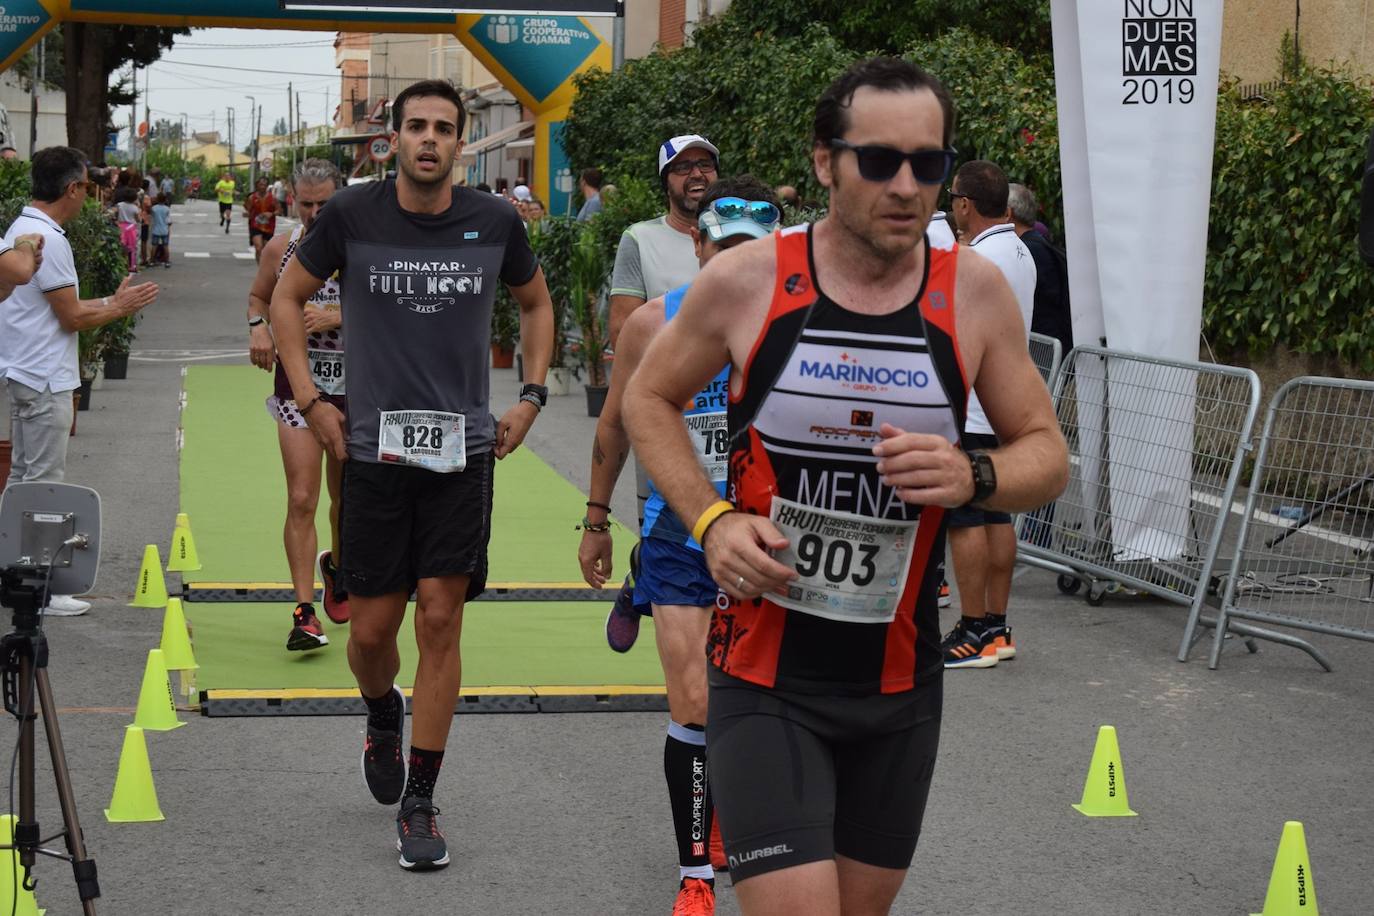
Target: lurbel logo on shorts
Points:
x,y
796,285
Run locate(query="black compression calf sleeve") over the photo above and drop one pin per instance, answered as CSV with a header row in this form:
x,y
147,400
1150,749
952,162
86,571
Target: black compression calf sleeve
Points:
x,y
684,768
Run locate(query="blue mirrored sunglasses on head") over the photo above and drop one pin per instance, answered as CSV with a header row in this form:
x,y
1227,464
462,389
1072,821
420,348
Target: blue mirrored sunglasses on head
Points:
x,y
760,211
882,163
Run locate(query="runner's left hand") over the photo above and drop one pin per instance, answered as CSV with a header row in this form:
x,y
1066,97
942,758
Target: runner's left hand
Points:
x,y
594,557
511,428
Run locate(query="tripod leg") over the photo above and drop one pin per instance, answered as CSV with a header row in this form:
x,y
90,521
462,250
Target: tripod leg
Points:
x,y
26,827
82,865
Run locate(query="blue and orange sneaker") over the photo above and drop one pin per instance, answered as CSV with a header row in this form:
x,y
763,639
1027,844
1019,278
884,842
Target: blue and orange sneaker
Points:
x,y
969,645
999,634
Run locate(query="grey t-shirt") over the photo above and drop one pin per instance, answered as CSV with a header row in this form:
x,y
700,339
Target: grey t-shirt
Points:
x,y
590,208
416,292
653,258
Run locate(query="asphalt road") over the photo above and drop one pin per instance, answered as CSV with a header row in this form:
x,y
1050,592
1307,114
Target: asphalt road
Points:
x,y
567,814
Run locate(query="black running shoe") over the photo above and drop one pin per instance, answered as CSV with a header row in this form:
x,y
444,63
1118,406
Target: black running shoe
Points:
x,y
418,840
384,766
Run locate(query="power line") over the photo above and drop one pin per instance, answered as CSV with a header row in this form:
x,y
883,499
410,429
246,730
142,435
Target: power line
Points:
x,y
336,74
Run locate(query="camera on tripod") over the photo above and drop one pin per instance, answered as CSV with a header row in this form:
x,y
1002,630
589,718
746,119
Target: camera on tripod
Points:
x,y
49,544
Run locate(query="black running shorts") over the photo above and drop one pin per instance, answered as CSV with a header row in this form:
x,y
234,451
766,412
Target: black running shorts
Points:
x,y
398,525
799,778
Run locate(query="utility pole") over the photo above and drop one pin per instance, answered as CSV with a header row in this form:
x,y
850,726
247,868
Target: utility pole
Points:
x,y
253,166
257,133
147,116
290,122
231,140
33,100
300,125
133,123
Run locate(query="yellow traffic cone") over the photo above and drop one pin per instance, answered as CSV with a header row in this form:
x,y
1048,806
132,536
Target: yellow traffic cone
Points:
x,y
1104,792
134,798
176,641
24,903
156,711
181,556
1291,891
151,590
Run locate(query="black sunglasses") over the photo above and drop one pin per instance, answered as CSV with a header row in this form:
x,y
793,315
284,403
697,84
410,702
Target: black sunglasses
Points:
x,y
882,163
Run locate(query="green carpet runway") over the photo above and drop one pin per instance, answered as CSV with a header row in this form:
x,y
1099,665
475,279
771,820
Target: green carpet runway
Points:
x,y
518,655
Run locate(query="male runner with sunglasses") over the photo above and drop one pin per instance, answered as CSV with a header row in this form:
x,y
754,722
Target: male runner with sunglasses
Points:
x,y
673,583
850,361
654,256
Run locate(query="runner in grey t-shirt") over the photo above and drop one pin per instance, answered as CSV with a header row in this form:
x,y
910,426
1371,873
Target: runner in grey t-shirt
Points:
x,y
418,263
657,255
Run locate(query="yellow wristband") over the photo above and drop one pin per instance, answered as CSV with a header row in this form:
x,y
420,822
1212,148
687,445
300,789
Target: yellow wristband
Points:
x,y
713,512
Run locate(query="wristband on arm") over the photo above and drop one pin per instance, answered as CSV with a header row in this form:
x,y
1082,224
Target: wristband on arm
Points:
x,y
708,518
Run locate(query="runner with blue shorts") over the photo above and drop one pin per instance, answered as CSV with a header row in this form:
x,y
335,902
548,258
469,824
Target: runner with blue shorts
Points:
x,y
672,582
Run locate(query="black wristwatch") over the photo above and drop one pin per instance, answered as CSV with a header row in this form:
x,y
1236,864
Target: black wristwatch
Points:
x,y
984,477
537,395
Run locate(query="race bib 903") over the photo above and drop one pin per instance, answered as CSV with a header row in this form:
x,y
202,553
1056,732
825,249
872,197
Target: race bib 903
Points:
x,y
849,567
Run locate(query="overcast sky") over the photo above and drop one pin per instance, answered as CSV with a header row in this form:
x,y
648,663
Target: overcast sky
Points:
x,y
195,78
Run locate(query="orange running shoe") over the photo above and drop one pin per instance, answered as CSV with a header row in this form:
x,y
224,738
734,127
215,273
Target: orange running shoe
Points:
x,y
695,897
719,861
943,599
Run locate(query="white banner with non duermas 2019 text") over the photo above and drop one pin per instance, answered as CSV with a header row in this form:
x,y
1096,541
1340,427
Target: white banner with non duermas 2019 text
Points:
x,y
1137,92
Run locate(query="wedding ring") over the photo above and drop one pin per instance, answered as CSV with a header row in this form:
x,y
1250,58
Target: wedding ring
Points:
x,y
739,584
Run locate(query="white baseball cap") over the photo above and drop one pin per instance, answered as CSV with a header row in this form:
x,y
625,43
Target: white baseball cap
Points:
x,y
675,147
521,192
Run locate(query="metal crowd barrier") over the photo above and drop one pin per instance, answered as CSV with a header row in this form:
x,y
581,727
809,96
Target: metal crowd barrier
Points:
x,y
1047,353
1306,542
1155,451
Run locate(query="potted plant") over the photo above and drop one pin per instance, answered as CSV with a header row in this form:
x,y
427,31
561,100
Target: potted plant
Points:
x,y
505,329
587,277
116,338
552,240
88,361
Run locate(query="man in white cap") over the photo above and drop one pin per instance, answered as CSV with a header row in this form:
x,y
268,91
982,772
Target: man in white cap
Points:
x,y
657,255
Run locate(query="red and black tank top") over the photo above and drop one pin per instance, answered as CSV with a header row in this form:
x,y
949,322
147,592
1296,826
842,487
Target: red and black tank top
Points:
x,y
819,382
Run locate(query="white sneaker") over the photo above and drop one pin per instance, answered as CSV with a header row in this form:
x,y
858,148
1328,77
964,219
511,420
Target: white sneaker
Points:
x,y
66,606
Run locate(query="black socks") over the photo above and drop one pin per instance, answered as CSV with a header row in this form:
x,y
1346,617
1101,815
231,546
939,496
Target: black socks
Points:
x,y
384,713
422,773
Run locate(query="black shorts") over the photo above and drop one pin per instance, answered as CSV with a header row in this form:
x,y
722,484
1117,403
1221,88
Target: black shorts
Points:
x,y
225,208
799,778
265,235
398,525
973,516
143,232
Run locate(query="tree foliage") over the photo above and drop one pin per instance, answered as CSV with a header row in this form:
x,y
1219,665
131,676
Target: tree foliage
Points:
x,y
881,26
91,53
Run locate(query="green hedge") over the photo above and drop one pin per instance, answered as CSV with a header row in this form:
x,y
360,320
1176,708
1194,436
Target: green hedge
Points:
x,y
1283,265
